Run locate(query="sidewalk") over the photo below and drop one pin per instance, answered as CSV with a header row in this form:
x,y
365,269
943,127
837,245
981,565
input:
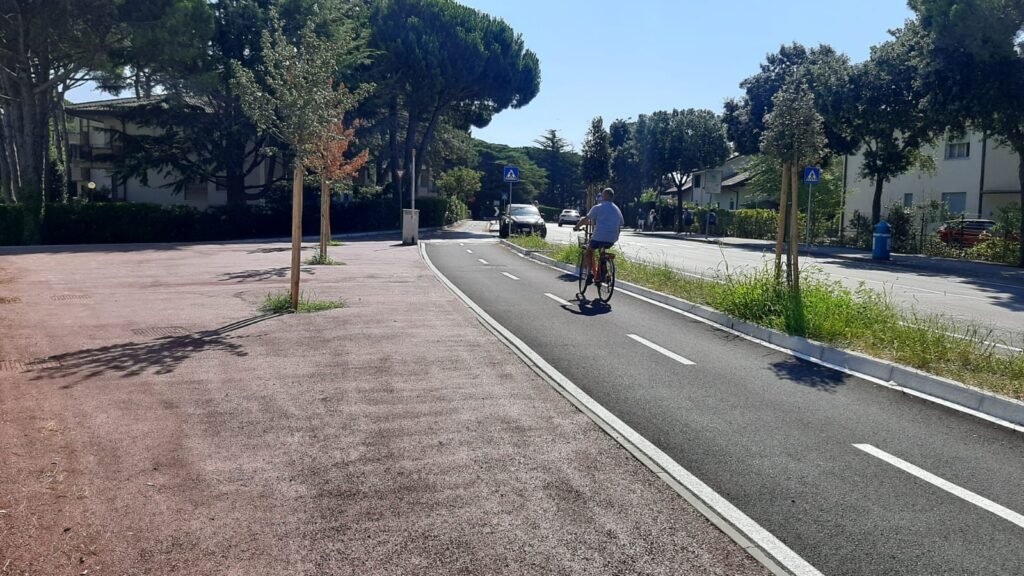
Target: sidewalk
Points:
x,y
950,266
167,426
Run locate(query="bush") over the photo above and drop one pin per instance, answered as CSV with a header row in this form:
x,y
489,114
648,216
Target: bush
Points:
x,y
549,213
758,224
12,219
901,227
993,249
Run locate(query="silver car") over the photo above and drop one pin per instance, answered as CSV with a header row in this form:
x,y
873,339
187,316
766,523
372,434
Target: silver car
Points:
x,y
568,216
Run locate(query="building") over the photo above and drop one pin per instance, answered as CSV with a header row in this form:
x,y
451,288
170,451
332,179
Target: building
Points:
x,y
733,193
973,176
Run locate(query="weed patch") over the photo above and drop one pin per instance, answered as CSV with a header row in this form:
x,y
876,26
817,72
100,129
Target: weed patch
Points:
x,y
281,303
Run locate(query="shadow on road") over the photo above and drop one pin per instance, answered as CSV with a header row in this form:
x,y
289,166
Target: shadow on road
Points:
x,y
809,374
588,308
258,275
160,356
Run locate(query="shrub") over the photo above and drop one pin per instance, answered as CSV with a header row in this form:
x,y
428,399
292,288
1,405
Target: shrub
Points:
x,y
994,249
12,218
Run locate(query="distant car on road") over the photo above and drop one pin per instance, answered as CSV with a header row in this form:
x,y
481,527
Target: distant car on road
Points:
x,y
568,216
522,219
964,232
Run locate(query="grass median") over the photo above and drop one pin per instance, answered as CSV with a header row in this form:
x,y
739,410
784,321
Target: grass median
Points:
x,y
861,320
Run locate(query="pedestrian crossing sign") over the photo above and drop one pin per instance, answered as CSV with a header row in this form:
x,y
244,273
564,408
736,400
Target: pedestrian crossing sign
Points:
x,y
511,173
812,175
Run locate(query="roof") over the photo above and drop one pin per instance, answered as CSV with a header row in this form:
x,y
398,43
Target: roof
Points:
x,y
121,105
736,180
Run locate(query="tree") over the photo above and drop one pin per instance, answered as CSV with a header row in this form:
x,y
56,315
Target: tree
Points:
x,y
625,160
460,183
794,134
596,158
440,59
680,142
330,162
492,158
973,70
552,159
300,104
889,114
826,73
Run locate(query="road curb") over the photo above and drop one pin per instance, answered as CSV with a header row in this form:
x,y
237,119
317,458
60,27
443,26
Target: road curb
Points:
x,y
949,392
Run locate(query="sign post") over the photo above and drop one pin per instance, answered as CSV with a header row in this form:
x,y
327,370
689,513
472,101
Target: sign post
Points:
x,y
511,176
812,176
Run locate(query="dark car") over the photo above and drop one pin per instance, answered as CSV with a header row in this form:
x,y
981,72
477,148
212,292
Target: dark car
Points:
x,y
522,219
964,232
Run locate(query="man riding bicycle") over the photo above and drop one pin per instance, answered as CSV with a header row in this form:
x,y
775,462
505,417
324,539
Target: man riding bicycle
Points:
x,y
607,219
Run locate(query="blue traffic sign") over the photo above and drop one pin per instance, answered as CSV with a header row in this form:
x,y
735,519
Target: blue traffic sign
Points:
x,y
812,175
511,173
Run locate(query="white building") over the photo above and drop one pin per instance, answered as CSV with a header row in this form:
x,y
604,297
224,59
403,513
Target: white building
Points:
x,y
974,176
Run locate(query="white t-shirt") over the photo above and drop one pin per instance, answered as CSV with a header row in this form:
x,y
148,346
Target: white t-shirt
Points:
x,y
607,219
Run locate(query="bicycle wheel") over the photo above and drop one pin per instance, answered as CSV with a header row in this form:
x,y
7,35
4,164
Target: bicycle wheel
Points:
x,y
582,273
607,286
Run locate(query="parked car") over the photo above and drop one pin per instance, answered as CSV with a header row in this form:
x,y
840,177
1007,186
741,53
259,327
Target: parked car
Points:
x,y
568,216
964,232
522,219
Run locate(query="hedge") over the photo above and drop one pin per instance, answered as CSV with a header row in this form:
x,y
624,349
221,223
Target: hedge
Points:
x,y
104,223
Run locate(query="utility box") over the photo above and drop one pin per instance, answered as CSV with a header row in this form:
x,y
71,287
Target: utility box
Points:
x,y
410,226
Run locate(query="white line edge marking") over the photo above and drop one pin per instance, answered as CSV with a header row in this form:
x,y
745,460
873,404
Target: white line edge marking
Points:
x,y
482,261
510,276
468,251
965,494
664,351
733,515
836,367
557,299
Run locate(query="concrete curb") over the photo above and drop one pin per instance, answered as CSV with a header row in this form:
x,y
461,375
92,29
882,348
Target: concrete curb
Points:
x,y
902,377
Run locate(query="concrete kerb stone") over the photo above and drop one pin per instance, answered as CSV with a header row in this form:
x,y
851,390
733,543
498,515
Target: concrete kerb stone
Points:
x,y
987,403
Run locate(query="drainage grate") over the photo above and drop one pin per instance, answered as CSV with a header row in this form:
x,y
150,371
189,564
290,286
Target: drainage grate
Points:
x,y
160,331
70,297
20,366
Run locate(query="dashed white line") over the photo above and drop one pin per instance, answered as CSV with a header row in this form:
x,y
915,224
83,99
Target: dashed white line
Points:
x,y
664,351
482,261
557,299
980,501
468,251
510,276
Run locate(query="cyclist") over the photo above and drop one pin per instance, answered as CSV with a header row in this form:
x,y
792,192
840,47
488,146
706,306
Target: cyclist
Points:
x,y
607,219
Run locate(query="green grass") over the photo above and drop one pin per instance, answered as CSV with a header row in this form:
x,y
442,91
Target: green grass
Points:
x,y
861,320
281,303
335,243
531,242
316,260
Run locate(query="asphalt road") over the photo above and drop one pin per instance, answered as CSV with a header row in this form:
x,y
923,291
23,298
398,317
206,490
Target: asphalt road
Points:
x,y
987,303
793,445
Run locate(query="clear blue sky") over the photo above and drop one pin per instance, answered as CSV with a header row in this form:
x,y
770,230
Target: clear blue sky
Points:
x,y
621,58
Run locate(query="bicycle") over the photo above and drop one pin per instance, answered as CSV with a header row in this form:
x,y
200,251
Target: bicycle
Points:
x,y
602,269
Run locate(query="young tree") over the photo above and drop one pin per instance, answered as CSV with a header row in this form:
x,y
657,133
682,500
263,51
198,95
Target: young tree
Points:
x,y
794,135
299,103
973,70
888,111
329,161
596,158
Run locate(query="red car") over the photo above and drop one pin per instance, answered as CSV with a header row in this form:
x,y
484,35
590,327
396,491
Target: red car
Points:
x,y
964,232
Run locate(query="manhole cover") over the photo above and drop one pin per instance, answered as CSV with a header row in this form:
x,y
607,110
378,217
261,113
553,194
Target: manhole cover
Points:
x,y
70,297
160,331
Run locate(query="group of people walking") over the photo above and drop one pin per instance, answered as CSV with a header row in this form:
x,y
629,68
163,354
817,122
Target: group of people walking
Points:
x,y
652,221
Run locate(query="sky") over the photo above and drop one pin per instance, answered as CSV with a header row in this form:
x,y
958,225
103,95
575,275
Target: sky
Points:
x,y
622,58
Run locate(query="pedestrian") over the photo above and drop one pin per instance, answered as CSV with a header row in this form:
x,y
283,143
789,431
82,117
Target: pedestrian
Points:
x,y
712,223
651,218
687,221
639,219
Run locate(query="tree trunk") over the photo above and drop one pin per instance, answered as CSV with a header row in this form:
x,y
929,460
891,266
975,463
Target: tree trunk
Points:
x,y
794,229
296,233
393,164
780,236
325,218
235,184
1020,178
678,224
876,201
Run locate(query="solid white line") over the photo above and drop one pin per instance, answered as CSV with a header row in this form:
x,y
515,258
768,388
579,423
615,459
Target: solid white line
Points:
x,y
701,491
484,262
980,501
468,251
664,351
510,276
557,299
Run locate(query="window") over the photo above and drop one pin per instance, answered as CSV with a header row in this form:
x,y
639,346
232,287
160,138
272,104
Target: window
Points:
x,y
958,150
908,200
956,202
196,192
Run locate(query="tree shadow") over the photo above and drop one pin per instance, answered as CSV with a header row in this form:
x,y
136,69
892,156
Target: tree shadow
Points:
x,y
258,275
809,374
277,249
159,357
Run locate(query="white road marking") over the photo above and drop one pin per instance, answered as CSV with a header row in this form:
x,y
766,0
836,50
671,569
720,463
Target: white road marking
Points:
x,y
510,276
980,501
730,519
664,351
462,243
557,299
482,261
468,251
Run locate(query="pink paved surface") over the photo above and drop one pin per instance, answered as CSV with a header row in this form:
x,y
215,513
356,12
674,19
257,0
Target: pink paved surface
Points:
x,y
154,435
